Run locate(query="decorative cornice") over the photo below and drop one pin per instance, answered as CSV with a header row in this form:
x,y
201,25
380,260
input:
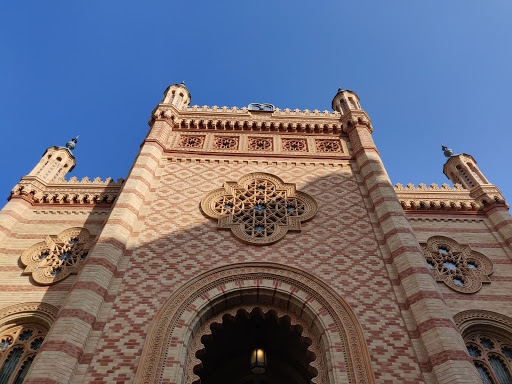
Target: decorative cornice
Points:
x,y
97,191
445,198
243,120
356,118
435,198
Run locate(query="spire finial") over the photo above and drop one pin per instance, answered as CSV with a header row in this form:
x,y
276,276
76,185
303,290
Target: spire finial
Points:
x,y
183,83
340,89
447,151
72,143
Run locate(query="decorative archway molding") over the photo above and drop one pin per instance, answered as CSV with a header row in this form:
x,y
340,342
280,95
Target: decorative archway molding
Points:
x,y
481,320
342,354
28,313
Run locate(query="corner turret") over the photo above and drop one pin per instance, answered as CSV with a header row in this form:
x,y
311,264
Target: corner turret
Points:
x,y
55,162
177,95
345,101
462,169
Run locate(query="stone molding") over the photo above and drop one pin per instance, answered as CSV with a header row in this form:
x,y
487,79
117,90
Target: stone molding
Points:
x,y
481,320
444,198
337,320
356,118
33,312
97,191
209,160
260,208
235,119
435,198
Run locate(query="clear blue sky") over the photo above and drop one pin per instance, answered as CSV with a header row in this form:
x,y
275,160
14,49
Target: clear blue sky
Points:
x,y
425,71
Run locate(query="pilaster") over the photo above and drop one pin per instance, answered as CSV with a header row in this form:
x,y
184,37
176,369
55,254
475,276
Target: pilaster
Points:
x,y
14,212
447,358
65,343
500,218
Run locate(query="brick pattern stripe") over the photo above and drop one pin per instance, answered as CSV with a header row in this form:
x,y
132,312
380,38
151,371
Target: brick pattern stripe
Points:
x,y
421,293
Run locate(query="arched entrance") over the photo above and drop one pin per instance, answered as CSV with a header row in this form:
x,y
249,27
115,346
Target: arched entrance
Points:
x,y
196,326
228,352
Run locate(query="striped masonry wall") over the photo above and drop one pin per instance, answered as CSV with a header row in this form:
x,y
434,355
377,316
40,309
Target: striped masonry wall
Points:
x,y
445,350
64,344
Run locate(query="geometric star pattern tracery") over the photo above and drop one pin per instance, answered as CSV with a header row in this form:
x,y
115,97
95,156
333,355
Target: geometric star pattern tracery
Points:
x,y
260,208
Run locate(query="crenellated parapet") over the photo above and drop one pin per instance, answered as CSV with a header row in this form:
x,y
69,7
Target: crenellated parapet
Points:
x,y
435,198
442,198
74,191
242,119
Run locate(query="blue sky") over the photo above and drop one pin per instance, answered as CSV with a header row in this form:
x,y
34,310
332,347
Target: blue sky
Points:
x,y
426,72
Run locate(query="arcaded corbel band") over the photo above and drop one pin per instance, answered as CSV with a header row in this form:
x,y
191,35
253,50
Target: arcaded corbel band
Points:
x,y
354,119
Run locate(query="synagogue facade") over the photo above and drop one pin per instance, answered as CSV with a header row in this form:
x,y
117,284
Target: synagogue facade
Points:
x,y
255,245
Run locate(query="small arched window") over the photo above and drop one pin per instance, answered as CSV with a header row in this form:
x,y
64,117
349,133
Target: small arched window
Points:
x,y
178,100
488,338
18,347
492,355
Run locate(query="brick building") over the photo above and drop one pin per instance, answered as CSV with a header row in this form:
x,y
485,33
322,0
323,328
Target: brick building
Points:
x,y
255,245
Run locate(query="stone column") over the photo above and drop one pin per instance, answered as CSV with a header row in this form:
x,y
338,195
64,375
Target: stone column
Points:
x,y
64,344
445,350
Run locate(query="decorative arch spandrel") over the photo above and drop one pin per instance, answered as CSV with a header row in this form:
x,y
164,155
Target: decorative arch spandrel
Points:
x,y
190,306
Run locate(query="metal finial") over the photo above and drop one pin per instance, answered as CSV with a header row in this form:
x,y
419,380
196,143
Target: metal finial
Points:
x,y
183,83
71,144
340,89
447,151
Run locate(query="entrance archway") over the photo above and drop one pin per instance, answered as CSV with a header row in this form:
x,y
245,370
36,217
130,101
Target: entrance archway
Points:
x,y
335,340
226,351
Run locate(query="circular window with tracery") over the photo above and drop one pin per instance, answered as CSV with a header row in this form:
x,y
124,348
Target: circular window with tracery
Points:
x,y
58,256
458,266
260,208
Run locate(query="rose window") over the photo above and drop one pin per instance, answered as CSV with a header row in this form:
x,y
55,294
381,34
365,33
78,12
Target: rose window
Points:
x,y
260,208
459,267
58,256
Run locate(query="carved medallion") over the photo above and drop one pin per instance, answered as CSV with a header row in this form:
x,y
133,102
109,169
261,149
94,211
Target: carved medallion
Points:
x,y
58,256
458,266
260,208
